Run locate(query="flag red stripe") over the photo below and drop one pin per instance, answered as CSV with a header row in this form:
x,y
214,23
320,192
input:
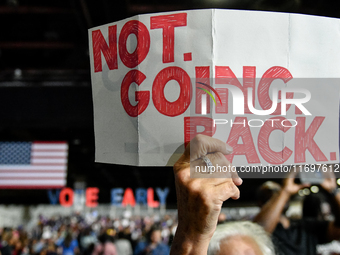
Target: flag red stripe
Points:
x,y
50,142
32,171
47,157
32,187
32,178
51,164
49,150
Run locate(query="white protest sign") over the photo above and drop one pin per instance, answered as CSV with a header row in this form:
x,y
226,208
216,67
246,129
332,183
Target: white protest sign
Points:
x,y
265,83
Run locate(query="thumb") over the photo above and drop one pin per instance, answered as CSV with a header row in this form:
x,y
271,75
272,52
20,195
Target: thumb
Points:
x,y
202,145
304,185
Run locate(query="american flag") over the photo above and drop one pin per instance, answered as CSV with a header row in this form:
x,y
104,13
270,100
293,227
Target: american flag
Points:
x,y
33,165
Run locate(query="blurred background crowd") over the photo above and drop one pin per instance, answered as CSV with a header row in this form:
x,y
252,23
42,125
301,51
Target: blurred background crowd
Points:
x,y
87,234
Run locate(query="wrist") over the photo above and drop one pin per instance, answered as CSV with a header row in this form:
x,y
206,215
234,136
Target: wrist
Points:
x,y
186,243
334,191
286,193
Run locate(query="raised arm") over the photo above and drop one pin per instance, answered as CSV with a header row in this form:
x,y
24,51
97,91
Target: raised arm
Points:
x,y
199,200
271,212
330,186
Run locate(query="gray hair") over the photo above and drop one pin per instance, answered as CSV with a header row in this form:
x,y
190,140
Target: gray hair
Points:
x,y
241,228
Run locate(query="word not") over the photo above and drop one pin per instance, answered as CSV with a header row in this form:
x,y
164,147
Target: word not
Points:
x,y
165,22
119,197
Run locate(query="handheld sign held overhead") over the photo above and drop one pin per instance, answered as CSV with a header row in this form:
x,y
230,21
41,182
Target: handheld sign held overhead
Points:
x,y
265,83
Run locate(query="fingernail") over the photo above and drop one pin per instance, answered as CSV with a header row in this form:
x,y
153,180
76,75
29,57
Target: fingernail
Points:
x,y
241,181
229,148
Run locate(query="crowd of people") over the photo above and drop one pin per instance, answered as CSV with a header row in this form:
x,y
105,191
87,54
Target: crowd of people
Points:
x,y
90,234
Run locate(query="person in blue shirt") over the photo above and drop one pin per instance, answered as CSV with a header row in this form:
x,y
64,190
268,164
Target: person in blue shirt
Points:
x,y
153,245
69,245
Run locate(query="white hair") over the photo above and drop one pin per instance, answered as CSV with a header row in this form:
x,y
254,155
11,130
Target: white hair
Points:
x,y
241,228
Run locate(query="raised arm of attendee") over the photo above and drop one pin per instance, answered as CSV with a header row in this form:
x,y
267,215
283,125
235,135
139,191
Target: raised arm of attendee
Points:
x,y
329,185
271,212
199,200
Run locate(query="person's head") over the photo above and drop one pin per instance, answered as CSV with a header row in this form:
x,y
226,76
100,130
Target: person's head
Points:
x,y
7,236
316,206
107,236
68,239
266,191
155,234
240,238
